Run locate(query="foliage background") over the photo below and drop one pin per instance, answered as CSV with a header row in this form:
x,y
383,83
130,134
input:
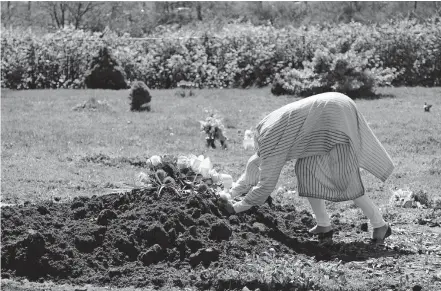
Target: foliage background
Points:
x,y
247,44
239,55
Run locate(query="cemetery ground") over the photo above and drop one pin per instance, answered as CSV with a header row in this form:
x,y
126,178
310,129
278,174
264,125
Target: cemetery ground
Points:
x,y
58,145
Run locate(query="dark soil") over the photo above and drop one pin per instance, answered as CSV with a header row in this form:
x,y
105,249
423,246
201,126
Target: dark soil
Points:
x,y
140,239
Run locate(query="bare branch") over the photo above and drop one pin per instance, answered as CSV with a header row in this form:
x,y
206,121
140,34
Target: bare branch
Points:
x,y
77,11
55,14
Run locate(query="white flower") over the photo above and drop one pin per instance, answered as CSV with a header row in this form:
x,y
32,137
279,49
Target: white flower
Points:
x,y
248,139
143,177
156,160
196,163
214,175
183,162
205,167
227,181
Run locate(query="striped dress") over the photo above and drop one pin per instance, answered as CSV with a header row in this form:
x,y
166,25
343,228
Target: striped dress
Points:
x,y
331,141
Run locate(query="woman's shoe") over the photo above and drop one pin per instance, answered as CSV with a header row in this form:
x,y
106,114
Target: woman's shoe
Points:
x,y
320,229
324,233
381,233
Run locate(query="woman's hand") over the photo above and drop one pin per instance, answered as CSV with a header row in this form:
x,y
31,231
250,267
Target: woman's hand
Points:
x,y
226,202
228,205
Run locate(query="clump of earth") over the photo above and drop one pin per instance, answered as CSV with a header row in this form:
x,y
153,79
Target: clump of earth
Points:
x,y
93,105
140,238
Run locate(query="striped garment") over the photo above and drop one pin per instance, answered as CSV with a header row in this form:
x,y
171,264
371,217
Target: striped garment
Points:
x,y
309,130
334,176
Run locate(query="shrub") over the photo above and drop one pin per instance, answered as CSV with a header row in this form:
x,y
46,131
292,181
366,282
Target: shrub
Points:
x,y
104,72
139,95
414,48
329,70
238,55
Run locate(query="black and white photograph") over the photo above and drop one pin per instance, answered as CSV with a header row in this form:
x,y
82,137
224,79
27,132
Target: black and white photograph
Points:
x,y
220,145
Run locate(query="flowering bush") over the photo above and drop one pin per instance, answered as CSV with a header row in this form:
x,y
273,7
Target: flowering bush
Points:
x,y
361,57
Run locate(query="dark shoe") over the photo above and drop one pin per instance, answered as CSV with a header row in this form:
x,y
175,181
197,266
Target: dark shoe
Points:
x,y
326,237
320,229
324,233
381,233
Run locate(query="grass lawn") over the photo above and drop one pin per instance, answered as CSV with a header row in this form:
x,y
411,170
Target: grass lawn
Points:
x,y
49,150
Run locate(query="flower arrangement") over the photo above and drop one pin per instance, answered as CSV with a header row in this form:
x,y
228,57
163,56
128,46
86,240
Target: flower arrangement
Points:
x,y
183,175
214,129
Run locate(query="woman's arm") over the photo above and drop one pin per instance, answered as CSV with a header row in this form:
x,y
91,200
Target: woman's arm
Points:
x,y
270,169
249,178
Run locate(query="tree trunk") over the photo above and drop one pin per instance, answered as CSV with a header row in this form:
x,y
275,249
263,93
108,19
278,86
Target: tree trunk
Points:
x,y
9,10
29,12
78,16
55,15
58,16
199,11
62,15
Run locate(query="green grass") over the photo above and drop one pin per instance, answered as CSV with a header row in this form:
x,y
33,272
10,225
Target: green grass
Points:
x,y
50,150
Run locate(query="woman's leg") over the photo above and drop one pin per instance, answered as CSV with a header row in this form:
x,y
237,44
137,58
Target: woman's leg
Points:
x,y
382,229
371,211
321,215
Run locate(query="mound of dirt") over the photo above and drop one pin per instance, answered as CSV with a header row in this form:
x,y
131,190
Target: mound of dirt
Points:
x,y
93,105
141,238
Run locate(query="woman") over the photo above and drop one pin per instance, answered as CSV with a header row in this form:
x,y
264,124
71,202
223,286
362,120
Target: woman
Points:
x,y
330,140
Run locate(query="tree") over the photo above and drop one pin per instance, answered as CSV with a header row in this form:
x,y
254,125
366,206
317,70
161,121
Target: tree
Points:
x,y
6,16
64,12
141,17
77,11
352,11
57,11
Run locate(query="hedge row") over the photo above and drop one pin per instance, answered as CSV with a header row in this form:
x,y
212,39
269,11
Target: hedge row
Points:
x,y
404,53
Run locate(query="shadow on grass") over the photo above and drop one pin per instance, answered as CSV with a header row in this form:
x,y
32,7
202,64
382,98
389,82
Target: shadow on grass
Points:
x,y
373,96
354,94
325,251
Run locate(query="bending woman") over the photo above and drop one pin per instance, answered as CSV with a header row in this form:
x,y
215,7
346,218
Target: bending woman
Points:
x,y
331,141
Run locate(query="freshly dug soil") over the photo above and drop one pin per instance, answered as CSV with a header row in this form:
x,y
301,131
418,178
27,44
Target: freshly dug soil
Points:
x,y
139,239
